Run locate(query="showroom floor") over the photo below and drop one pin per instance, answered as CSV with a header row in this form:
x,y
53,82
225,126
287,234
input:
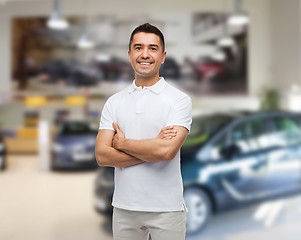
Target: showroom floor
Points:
x,y
38,205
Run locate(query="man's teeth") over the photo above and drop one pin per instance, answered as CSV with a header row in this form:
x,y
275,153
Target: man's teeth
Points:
x,y
145,63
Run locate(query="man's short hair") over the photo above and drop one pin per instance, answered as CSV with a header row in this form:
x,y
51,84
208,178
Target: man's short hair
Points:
x,y
148,28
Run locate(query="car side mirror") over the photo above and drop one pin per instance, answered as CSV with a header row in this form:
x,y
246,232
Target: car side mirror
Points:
x,y
229,152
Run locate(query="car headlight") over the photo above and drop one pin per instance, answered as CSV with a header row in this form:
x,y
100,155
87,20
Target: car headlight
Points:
x,y
77,148
57,147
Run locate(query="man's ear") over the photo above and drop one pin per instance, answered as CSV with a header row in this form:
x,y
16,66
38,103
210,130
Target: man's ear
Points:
x,y
129,54
163,57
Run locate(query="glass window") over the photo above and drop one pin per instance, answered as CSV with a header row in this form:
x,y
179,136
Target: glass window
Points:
x,y
251,135
286,131
248,136
239,137
207,124
217,145
78,128
259,132
204,127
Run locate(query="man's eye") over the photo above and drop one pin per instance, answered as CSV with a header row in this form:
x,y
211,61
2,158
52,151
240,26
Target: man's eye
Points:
x,y
153,49
138,48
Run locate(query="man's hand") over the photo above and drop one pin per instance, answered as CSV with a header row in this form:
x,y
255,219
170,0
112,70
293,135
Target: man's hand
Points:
x,y
155,149
118,137
167,133
106,155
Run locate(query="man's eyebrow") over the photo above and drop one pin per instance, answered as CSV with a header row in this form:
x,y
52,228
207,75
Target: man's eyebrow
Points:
x,y
140,44
154,45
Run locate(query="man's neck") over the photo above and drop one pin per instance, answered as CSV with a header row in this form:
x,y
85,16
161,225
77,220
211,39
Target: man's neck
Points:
x,y
146,82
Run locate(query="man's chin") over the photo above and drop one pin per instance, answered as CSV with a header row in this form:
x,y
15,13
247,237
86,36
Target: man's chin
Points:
x,y
145,74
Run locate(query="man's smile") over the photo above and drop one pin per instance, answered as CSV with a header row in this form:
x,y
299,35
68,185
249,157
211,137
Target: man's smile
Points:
x,y
145,63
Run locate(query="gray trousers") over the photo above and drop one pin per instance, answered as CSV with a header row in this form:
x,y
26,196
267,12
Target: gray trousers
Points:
x,y
137,225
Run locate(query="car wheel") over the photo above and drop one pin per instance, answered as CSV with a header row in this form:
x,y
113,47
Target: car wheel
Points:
x,y
199,209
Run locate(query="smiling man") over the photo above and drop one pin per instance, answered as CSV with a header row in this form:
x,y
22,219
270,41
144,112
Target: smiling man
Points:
x,y
142,129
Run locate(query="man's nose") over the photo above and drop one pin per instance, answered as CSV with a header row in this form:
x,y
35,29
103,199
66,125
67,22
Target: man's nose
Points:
x,y
144,53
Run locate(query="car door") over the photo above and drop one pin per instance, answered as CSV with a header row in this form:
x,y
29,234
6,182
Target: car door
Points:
x,y
284,156
239,163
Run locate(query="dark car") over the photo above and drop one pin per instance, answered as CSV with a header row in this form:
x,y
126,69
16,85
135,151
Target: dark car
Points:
x,y
103,190
170,69
232,160
70,72
2,154
115,69
74,145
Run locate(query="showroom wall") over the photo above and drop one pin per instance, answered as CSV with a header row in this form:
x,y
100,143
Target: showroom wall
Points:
x,y
5,81
263,30
286,43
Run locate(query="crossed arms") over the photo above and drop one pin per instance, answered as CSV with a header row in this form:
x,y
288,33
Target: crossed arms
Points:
x,y
113,149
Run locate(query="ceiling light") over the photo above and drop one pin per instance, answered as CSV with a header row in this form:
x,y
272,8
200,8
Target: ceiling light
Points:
x,y
218,56
225,42
55,20
238,17
102,57
57,24
84,42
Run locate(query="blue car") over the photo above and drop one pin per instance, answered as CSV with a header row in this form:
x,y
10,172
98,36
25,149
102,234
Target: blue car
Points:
x,y
74,145
231,160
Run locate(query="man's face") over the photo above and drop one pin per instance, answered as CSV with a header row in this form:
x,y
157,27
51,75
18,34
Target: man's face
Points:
x,y
146,54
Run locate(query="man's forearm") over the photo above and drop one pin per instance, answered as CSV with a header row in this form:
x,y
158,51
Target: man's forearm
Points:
x,y
150,150
111,157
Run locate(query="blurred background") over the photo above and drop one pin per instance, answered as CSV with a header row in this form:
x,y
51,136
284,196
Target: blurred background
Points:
x,y
237,59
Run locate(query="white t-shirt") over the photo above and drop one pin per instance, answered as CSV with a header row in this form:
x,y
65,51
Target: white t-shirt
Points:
x,y
141,113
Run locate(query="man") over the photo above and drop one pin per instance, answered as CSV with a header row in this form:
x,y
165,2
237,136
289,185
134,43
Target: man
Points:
x,y
142,129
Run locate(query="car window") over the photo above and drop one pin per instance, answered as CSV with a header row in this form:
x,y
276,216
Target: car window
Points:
x,y
257,130
239,137
78,128
217,146
204,127
286,131
251,135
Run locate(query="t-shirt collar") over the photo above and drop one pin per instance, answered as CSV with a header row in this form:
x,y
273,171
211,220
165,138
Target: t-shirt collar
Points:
x,y
156,88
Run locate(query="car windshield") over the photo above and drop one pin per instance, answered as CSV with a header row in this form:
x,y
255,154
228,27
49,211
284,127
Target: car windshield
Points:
x,y
78,128
204,127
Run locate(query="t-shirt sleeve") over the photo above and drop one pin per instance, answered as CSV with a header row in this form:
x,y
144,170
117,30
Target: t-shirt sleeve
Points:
x,y
180,113
106,119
